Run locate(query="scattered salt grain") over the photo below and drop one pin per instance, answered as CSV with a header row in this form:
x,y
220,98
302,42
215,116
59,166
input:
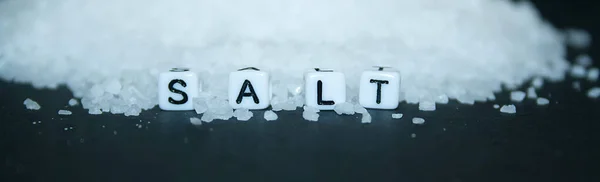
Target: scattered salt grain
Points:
x,y
242,114
418,121
578,38
270,116
64,112
542,101
427,106
510,109
94,111
537,83
397,115
517,96
578,71
531,94
496,106
584,60
195,121
200,105
413,135
310,113
366,118
344,108
359,109
594,92
31,105
593,74
73,102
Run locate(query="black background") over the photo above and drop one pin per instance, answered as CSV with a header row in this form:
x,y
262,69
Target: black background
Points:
x,y
558,142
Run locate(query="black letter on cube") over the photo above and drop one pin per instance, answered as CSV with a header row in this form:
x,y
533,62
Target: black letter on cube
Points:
x,y
379,82
320,100
243,93
174,90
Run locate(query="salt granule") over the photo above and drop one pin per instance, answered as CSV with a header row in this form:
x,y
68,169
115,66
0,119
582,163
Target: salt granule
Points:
x,y
510,109
73,102
517,96
200,105
344,108
310,113
578,71
270,115
496,106
116,70
195,121
64,112
359,109
531,94
242,114
593,74
584,60
537,83
413,135
418,121
427,106
578,38
31,105
397,115
594,93
366,118
542,101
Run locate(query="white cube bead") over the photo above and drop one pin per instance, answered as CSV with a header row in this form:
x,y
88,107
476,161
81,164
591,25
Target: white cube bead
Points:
x,y
379,89
176,89
249,88
324,89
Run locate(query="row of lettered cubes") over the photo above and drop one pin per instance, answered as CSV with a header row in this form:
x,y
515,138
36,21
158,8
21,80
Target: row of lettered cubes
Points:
x,y
250,88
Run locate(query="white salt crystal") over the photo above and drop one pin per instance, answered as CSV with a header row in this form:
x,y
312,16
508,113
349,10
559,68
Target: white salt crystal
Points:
x,y
113,86
73,102
397,115
418,121
496,106
413,135
366,118
242,114
517,96
359,109
578,71
427,106
64,112
584,60
537,83
510,109
577,86
31,105
94,111
200,105
594,92
270,116
195,121
310,113
344,108
593,74
442,99
531,94
578,38
542,101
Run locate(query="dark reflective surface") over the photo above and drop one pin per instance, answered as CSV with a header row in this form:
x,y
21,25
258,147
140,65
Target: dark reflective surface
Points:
x,y
559,142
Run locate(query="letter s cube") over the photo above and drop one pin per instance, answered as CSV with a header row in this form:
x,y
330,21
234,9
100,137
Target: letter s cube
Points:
x,y
176,89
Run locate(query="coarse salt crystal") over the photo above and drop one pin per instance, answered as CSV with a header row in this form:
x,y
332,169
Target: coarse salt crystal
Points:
x,y
31,105
531,94
195,121
397,115
542,101
418,121
578,71
73,102
594,92
427,106
593,74
366,118
270,115
510,109
517,96
64,112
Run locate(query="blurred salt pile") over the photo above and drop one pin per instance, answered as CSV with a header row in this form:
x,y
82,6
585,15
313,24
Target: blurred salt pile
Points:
x,y
109,52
